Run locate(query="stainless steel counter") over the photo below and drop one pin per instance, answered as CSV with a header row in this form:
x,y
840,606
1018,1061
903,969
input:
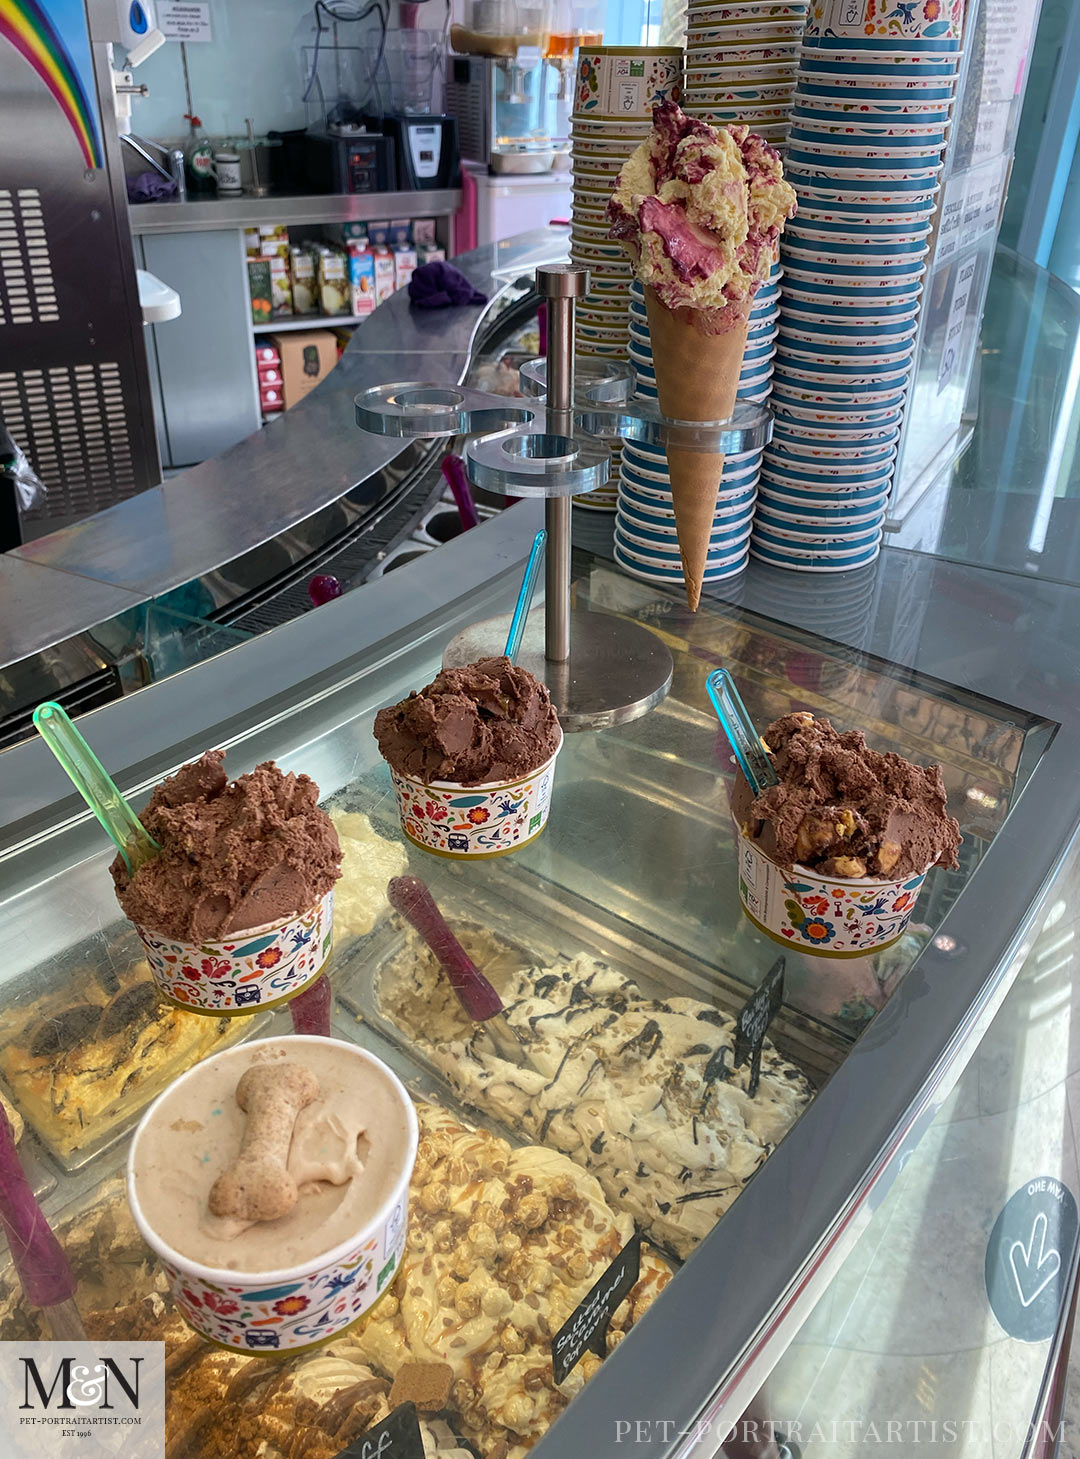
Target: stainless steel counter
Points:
x,y
209,516
197,215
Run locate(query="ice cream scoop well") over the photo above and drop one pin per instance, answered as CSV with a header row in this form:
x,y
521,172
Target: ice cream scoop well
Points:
x,y
39,1258
411,897
740,730
95,785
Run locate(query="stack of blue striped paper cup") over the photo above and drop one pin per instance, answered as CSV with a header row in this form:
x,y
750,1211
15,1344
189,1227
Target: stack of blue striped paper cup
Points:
x,y
741,60
646,544
869,123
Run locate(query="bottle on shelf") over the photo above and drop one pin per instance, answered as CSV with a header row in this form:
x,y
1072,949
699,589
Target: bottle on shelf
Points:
x,y
198,158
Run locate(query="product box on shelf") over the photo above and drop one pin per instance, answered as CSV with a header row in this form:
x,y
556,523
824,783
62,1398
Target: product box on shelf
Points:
x,y
304,281
404,266
430,253
384,274
361,280
401,232
281,299
423,231
266,354
333,282
259,289
378,234
251,242
307,357
273,240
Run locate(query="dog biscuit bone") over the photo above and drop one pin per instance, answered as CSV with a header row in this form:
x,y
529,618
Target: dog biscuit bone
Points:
x,y
258,1187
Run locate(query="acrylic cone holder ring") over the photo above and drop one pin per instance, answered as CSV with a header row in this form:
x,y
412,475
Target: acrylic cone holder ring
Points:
x,y
697,379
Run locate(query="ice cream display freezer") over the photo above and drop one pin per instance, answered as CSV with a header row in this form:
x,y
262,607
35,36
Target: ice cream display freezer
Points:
x,y
833,1258
876,1245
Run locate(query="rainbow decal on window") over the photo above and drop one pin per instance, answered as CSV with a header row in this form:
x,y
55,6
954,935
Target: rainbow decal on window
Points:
x,y
34,33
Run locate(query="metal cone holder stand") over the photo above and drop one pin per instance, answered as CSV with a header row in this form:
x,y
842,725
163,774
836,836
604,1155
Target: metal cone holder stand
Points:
x,y
600,669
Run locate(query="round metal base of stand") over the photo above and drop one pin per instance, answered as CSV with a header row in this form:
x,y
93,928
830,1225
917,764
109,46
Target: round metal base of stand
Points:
x,y
617,671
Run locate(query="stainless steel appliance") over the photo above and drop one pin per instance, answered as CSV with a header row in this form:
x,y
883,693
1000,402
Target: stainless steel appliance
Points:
x,y
74,384
505,109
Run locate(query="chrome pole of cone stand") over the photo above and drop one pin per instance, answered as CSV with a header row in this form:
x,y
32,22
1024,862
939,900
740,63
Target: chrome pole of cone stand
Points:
x,y
559,286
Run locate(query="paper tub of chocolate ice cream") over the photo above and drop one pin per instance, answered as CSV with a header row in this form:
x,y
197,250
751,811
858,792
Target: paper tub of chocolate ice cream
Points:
x,y
236,911
246,1278
832,857
472,759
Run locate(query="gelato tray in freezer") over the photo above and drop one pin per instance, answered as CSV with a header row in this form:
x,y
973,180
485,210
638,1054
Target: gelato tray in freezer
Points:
x,y
81,1059
631,1052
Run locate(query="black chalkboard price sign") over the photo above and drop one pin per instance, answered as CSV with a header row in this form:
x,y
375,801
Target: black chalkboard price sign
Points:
x,y
586,1329
758,1012
397,1437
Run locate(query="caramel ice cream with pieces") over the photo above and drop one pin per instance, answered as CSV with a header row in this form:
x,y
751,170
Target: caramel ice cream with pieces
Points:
x,y
844,809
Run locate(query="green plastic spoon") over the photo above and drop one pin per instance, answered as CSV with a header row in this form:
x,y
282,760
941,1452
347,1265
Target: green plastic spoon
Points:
x,y
94,784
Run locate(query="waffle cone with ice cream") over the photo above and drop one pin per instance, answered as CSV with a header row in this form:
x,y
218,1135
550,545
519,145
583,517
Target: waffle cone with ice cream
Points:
x,y
700,210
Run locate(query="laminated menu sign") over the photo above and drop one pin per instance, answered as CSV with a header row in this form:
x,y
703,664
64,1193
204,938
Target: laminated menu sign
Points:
x,y
397,1437
758,1012
586,1329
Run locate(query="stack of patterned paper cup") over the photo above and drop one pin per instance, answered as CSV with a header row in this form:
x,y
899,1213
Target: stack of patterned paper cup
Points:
x,y
646,544
617,87
869,122
741,61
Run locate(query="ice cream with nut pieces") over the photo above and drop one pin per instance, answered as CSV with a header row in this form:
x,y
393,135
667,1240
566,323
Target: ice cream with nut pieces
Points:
x,y
845,810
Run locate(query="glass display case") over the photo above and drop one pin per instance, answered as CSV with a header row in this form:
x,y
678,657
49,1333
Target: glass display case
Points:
x,y
617,937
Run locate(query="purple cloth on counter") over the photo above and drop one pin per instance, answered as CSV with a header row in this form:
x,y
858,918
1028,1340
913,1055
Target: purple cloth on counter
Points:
x,y
439,285
149,187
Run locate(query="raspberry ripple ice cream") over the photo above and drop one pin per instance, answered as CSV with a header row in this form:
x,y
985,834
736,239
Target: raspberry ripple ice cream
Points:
x,y
472,757
833,857
254,855
700,210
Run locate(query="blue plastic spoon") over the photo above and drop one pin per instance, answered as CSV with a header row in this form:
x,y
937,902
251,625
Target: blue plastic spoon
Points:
x,y
741,731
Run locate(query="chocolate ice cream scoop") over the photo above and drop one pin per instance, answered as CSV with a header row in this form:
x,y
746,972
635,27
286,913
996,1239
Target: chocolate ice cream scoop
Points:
x,y
486,721
845,809
234,854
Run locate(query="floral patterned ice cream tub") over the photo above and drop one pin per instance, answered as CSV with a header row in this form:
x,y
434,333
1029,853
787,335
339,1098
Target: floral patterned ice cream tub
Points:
x,y
833,855
472,758
475,820
259,968
837,917
236,907
291,1282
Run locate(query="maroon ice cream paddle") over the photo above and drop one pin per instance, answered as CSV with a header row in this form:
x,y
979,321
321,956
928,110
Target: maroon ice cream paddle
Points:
x,y
39,1258
409,896
311,1009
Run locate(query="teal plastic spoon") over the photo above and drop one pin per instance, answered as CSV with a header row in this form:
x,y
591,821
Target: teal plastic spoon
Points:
x,y
524,598
741,731
95,785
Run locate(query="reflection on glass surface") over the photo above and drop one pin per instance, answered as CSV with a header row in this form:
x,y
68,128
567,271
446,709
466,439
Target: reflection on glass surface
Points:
x,y
622,919
1011,500
905,1332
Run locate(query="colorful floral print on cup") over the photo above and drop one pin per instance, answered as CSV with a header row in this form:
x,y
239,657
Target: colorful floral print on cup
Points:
x,y
258,968
466,821
842,917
